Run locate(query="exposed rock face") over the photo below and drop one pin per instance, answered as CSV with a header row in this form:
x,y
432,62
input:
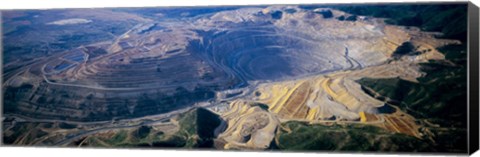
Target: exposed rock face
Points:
x,y
160,67
265,76
249,126
333,96
257,47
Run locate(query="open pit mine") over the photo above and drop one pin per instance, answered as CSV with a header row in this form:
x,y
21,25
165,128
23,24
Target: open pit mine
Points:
x,y
241,78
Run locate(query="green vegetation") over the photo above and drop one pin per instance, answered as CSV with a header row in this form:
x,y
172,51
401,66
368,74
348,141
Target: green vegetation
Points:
x,y
325,13
262,106
118,138
196,131
351,18
277,15
450,19
142,132
300,136
404,49
143,136
439,97
197,126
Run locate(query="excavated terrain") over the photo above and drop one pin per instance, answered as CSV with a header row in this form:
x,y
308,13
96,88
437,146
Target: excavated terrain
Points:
x,y
257,68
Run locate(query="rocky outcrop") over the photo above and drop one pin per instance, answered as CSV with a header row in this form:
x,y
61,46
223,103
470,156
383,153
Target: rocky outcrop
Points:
x,y
249,126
